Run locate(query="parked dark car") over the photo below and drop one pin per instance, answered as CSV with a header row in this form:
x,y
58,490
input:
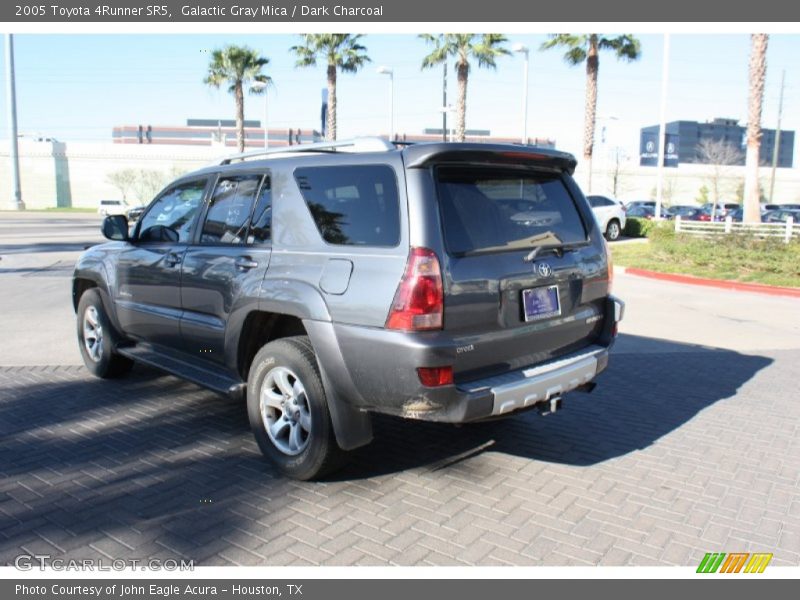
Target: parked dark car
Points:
x,y
646,212
135,212
440,282
639,203
686,212
781,215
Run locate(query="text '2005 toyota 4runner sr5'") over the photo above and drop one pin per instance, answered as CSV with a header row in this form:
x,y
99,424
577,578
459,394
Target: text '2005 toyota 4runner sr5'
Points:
x,y
443,282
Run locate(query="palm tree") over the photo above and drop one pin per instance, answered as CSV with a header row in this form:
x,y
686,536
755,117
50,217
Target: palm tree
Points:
x,y
586,48
341,52
464,46
238,66
758,75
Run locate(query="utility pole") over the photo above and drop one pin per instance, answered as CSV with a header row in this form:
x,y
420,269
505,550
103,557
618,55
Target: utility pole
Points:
x,y
16,202
662,130
444,101
777,147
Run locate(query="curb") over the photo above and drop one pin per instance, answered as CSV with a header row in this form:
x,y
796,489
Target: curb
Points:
x,y
733,286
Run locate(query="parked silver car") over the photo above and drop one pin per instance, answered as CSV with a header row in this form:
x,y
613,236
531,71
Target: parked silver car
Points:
x,y
610,215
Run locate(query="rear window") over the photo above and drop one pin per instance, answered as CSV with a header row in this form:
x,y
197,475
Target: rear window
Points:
x,y
491,209
353,205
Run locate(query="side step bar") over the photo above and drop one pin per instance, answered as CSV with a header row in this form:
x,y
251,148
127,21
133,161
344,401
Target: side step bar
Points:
x,y
207,375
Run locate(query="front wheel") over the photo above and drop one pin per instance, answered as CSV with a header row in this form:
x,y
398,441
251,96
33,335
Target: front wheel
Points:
x,y
288,410
96,338
613,230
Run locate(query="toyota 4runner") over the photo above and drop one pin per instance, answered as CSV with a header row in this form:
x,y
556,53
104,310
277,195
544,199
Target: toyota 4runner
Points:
x,y
442,282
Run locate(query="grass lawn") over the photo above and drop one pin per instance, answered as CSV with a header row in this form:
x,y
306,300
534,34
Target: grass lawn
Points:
x,y
730,257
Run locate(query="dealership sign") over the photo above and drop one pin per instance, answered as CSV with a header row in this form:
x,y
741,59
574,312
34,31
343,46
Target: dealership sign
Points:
x,y
648,150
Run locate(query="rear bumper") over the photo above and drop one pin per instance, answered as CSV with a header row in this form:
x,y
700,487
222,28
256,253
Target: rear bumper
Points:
x,y
382,372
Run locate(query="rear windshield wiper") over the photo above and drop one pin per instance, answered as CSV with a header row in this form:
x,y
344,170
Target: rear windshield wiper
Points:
x,y
557,249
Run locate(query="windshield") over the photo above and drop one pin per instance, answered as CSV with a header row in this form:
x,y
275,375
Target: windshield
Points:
x,y
489,209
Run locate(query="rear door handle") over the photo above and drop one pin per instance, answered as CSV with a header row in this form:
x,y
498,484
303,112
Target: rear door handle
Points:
x,y
245,263
172,259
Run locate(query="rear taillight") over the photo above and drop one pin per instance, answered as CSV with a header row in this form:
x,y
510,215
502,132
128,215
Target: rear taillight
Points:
x,y
419,301
610,264
435,376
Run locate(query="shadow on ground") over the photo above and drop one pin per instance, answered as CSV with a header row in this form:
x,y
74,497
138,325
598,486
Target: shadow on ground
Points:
x,y
80,456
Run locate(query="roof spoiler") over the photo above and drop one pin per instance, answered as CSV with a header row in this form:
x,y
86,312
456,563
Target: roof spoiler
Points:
x,y
420,156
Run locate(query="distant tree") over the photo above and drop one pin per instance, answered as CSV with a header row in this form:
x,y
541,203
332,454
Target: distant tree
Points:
x,y
237,66
758,76
123,180
341,52
719,155
483,49
148,183
586,48
702,194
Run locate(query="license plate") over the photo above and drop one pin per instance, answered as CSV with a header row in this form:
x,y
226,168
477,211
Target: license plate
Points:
x,y
541,303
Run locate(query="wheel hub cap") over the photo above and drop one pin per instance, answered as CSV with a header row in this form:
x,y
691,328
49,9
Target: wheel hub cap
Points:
x,y
92,334
285,412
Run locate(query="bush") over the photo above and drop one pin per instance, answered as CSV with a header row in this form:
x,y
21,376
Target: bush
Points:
x,y
635,227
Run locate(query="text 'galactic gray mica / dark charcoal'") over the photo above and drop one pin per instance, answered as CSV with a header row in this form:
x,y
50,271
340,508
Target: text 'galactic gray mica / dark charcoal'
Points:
x,y
378,11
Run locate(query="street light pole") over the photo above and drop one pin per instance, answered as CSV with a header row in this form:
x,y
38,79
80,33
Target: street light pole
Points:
x,y
390,72
524,50
16,203
263,85
662,130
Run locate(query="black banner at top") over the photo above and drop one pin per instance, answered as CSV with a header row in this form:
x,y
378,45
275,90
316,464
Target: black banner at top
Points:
x,y
378,11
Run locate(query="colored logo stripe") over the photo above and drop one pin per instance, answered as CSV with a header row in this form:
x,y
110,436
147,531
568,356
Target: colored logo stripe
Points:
x,y
734,562
758,562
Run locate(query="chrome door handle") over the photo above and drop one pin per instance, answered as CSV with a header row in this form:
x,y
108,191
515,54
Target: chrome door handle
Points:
x,y
245,263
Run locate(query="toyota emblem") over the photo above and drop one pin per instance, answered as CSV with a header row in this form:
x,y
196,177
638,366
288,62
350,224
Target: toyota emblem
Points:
x,y
544,270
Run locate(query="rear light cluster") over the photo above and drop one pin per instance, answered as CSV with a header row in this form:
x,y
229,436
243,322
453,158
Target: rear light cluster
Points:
x,y
435,376
419,301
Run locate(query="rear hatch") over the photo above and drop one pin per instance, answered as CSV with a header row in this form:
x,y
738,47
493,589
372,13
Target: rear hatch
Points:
x,y
525,268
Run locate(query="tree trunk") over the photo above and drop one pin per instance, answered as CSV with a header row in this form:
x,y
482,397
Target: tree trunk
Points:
x,y
758,75
461,114
330,132
590,114
238,94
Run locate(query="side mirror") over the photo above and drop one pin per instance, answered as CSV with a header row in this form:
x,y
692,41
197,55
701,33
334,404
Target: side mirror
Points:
x,y
115,227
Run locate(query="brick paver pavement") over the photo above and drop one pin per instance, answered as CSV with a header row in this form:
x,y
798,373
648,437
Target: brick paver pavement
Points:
x,y
676,453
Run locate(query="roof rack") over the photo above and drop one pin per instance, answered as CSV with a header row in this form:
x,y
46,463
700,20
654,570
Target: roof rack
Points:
x,y
362,144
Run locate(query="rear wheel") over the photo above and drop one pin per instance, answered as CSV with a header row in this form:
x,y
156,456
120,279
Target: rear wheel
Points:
x,y
613,230
96,338
288,410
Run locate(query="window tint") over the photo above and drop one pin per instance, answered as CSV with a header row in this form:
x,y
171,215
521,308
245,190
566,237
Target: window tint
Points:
x,y
598,201
172,215
229,210
491,209
355,205
261,228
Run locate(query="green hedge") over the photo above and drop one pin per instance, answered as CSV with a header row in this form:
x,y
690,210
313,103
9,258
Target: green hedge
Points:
x,y
635,227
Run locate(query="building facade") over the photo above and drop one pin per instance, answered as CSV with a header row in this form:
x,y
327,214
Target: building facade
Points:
x,y
688,138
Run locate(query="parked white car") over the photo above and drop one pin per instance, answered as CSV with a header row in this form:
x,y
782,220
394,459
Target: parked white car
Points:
x,y
112,207
610,215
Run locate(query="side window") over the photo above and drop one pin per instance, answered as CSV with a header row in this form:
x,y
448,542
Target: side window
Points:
x,y
229,210
261,227
353,205
172,215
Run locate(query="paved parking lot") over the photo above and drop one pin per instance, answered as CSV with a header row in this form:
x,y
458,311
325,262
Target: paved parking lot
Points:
x,y
690,444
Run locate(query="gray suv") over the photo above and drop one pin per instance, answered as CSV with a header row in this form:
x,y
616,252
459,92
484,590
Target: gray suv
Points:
x,y
325,282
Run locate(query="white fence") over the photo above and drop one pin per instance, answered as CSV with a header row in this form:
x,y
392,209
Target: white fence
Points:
x,y
785,230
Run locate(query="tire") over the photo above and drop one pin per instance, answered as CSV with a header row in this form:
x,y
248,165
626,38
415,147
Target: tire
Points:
x,y
613,230
288,410
97,338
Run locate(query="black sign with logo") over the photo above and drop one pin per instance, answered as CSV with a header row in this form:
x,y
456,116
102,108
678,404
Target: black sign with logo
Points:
x,y
648,150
